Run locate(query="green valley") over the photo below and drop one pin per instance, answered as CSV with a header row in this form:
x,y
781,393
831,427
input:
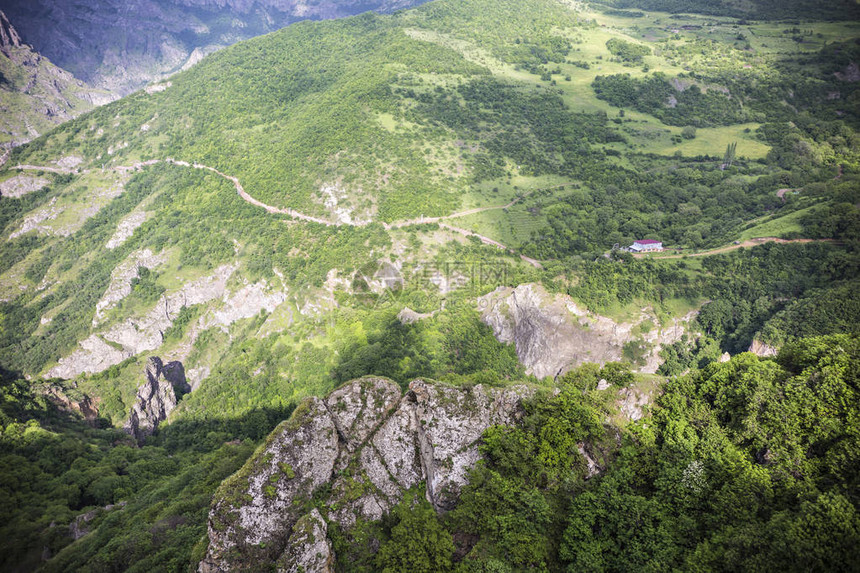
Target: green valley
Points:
x,y
358,295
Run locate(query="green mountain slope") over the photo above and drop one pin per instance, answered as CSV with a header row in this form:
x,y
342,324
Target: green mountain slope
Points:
x,y
306,108
348,140
337,199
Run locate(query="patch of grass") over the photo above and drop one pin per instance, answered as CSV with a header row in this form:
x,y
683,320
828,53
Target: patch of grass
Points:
x,y
712,141
777,226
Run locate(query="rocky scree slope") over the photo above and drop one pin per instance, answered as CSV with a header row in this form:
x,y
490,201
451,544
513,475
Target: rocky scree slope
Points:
x,y
366,444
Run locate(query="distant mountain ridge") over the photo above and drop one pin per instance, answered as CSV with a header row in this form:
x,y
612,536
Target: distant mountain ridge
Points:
x,y
121,46
36,95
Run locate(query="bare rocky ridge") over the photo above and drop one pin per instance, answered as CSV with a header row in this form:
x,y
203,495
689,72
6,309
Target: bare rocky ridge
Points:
x,y
112,342
140,334
125,228
34,222
156,397
78,527
553,334
364,437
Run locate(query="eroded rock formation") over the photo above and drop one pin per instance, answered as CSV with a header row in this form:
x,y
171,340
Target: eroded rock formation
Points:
x,y
156,397
368,444
553,334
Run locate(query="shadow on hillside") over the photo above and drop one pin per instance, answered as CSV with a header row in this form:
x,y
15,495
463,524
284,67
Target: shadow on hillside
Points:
x,y
211,433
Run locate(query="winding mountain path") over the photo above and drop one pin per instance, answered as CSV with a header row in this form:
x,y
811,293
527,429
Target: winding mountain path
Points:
x,y
310,218
727,248
473,211
244,195
59,170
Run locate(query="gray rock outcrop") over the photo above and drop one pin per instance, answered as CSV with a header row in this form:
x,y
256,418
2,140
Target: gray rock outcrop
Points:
x,y
20,185
368,444
9,37
632,403
553,334
257,507
79,526
125,228
156,397
310,550
762,349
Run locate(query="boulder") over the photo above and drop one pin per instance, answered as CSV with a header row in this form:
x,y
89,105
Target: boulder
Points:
x,y
310,550
762,349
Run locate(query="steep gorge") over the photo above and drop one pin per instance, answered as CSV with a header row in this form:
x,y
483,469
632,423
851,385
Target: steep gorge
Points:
x,y
35,94
121,46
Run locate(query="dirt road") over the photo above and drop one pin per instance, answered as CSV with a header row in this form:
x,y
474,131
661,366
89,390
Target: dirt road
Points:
x,y
727,248
310,218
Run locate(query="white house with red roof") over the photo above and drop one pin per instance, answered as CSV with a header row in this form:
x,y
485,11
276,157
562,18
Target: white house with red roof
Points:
x,y
646,246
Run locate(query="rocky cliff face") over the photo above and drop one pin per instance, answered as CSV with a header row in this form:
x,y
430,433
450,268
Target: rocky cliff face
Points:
x,y
553,334
35,95
84,406
156,397
121,46
9,37
762,349
367,444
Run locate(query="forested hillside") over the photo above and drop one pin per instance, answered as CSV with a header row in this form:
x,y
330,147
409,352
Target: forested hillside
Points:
x,y
448,193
